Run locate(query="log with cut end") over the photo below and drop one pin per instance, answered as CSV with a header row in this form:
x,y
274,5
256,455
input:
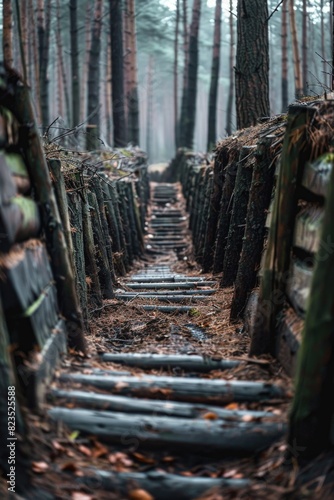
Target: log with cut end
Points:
x,y
125,404
160,485
168,286
195,363
184,389
184,434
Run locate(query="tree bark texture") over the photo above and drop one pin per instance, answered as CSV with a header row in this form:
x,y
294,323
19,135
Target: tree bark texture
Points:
x,y
73,5
258,204
93,92
213,95
252,63
231,74
117,72
238,216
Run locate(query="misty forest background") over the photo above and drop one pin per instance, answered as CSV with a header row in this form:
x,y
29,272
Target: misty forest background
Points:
x,y
58,36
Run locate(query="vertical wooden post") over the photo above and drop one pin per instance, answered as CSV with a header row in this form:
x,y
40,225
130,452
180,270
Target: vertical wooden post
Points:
x,y
313,404
295,152
258,204
19,102
238,216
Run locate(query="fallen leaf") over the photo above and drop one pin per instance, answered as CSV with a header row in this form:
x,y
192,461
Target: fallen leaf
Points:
x,y
73,435
168,459
210,415
232,406
77,495
99,450
39,467
231,473
69,466
140,494
86,451
143,458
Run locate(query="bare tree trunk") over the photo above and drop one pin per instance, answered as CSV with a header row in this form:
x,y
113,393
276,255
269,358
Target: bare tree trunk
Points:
x,y
252,63
43,25
188,114
176,54
88,32
133,105
74,63
94,80
296,56
304,47
7,41
108,89
35,60
323,51
212,129
117,73
24,29
185,70
149,105
231,82
127,56
62,65
285,99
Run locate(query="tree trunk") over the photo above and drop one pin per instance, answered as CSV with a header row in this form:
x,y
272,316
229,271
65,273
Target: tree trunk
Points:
x,y
304,48
212,131
93,97
133,104
295,47
185,72
43,24
117,73
238,217
225,214
7,40
252,63
61,63
188,114
33,46
88,33
285,84
258,204
231,79
74,63
212,221
176,54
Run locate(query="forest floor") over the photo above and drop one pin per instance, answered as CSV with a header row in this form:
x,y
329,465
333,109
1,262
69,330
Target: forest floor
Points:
x,y
62,455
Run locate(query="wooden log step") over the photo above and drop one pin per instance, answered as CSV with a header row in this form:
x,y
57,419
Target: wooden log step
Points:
x,y
161,298
169,286
183,434
166,245
145,406
167,309
184,389
160,485
171,279
189,293
150,361
165,213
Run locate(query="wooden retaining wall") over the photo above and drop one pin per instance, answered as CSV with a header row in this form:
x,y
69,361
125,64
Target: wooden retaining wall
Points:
x,y
271,178
69,225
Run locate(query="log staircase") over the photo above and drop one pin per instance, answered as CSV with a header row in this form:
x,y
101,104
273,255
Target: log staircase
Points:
x,y
163,411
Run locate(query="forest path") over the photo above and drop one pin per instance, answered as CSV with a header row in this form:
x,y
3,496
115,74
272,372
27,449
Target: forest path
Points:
x,y
172,400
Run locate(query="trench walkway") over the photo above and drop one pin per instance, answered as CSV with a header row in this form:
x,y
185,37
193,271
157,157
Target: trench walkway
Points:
x,y
178,407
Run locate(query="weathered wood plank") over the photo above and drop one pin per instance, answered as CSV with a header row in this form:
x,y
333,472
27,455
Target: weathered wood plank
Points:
x,y
183,434
150,361
144,406
299,285
307,228
186,389
317,174
160,485
289,331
